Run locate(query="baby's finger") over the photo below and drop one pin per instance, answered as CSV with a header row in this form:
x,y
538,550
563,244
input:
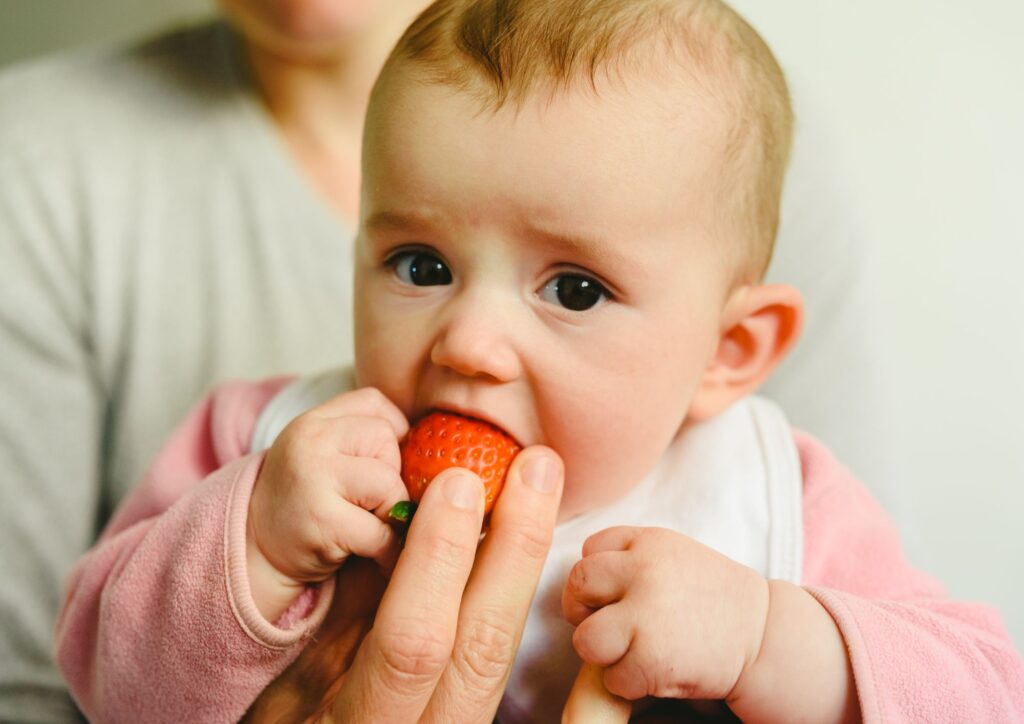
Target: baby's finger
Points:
x,y
370,483
595,581
628,678
363,436
364,402
398,665
604,637
361,533
618,538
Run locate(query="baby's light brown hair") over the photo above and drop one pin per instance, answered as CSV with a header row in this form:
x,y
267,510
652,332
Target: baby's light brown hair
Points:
x,y
503,50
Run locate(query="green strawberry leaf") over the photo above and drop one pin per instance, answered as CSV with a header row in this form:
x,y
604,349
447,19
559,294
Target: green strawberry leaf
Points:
x,y
402,512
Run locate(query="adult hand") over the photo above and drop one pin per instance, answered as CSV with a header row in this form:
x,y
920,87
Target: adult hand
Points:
x,y
449,621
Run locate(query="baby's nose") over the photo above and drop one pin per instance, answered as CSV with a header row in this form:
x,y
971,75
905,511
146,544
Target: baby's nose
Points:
x,y
476,341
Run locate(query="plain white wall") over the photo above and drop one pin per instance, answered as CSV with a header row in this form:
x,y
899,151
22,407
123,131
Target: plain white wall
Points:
x,y
926,101
30,27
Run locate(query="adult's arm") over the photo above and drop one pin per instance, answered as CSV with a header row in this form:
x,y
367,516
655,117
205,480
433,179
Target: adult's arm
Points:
x,y
52,410
917,655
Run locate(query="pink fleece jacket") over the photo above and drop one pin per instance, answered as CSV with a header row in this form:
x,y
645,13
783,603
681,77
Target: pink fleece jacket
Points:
x,y
158,623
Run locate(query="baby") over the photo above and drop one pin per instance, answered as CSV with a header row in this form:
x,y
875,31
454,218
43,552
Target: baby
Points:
x,y
567,209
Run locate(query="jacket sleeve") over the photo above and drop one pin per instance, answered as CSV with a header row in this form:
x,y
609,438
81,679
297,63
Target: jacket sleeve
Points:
x,y
917,655
158,623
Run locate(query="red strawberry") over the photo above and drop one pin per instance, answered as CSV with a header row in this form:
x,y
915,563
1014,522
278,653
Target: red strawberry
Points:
x,y
442,440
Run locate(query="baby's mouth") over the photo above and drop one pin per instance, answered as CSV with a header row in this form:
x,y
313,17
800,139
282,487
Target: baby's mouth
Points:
x,y
468,414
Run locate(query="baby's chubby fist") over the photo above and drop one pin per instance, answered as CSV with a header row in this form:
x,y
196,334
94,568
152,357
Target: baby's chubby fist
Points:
x,y
323,494
665,615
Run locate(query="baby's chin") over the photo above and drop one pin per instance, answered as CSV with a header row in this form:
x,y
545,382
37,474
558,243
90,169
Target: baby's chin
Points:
x,y
573,506
585,493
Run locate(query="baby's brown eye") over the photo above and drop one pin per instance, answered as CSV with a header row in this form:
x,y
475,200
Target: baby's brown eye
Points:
x,y
420,268
575,292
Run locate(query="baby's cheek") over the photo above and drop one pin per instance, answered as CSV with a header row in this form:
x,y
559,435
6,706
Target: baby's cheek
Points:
x,y
614,465
589,484
387,375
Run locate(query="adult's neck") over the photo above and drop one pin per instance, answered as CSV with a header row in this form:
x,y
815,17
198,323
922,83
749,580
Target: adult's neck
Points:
x,y
318,103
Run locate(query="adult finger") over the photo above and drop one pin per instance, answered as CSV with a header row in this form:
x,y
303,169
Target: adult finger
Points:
x,y
590,702
401,660
500,590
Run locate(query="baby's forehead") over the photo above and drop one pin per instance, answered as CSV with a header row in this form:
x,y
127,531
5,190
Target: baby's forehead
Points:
x,y
690,101
598,177
712,79
692,91
511,49
668,135
623,121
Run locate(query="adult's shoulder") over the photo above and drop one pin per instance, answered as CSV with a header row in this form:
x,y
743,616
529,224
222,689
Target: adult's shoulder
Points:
x,y
111,94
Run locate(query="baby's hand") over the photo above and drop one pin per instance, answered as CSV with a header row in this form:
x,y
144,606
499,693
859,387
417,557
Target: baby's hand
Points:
x,y
323,494
665,615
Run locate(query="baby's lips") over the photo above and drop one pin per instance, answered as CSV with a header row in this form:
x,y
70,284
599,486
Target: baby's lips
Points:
x,y
467,417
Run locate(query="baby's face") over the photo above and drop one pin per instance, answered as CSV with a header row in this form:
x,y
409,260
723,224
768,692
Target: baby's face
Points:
x,y
550,270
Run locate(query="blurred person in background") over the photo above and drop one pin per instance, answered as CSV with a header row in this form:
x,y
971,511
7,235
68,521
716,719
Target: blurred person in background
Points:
x,y
181,212
166,213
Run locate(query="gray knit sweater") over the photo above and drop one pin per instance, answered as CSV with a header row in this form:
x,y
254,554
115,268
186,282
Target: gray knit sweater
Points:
x,y
154,238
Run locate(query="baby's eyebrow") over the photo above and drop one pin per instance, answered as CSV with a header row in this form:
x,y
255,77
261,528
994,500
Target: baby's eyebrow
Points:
x,y
407,221
573,246
608,251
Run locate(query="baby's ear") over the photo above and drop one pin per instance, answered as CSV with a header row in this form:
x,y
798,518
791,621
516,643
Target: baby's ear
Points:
x,y
760,324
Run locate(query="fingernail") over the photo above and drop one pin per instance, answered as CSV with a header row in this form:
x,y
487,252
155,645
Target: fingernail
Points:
x,y
540,474
462,491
